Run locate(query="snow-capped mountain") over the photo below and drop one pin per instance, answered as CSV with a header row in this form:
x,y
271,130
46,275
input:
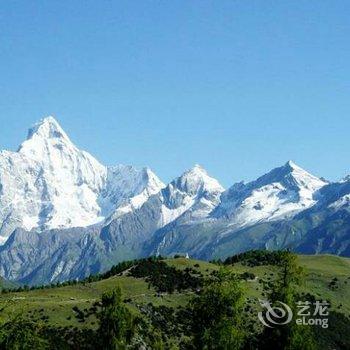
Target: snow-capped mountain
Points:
x,y
279,194
64,215
274,197
49,183
127,189
194,193
124,234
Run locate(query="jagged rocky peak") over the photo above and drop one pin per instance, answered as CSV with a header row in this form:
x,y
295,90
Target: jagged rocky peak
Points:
x,y
194,193
47,128
133,180
48,142
155,184
197,180
290,175
304,178
287,177
346,178
282,192
129,187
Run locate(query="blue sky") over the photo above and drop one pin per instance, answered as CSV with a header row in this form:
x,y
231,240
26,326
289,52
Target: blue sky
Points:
x,y
237,86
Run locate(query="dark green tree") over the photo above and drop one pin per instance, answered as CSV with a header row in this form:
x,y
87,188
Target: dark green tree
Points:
x,y
116,323
289,336
217,314
21,334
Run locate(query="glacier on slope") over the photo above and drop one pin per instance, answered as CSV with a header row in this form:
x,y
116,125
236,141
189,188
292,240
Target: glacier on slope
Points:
x,y
279,194
49,183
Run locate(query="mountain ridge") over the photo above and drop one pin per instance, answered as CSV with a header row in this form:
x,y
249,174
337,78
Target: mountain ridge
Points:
x,y
65,215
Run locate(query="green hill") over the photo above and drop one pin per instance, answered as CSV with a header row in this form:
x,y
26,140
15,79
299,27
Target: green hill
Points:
x,y
326,277
57,303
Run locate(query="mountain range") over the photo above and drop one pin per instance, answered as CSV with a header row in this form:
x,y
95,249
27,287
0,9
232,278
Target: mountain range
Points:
x,y
64,215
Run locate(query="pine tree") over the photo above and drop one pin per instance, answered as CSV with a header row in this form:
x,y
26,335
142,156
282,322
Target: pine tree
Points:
x,y
217,314
284,289
116,322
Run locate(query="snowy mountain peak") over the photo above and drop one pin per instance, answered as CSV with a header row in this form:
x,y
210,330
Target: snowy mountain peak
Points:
x,y
291,164
127,189
290,176
191,196
291,167
50,183
45,140
197,180
127,181
47,128
197,168
281,193
345,179
154,183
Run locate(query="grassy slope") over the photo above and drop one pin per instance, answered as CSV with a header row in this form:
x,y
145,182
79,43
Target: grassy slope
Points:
x,y
321,270
57,303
